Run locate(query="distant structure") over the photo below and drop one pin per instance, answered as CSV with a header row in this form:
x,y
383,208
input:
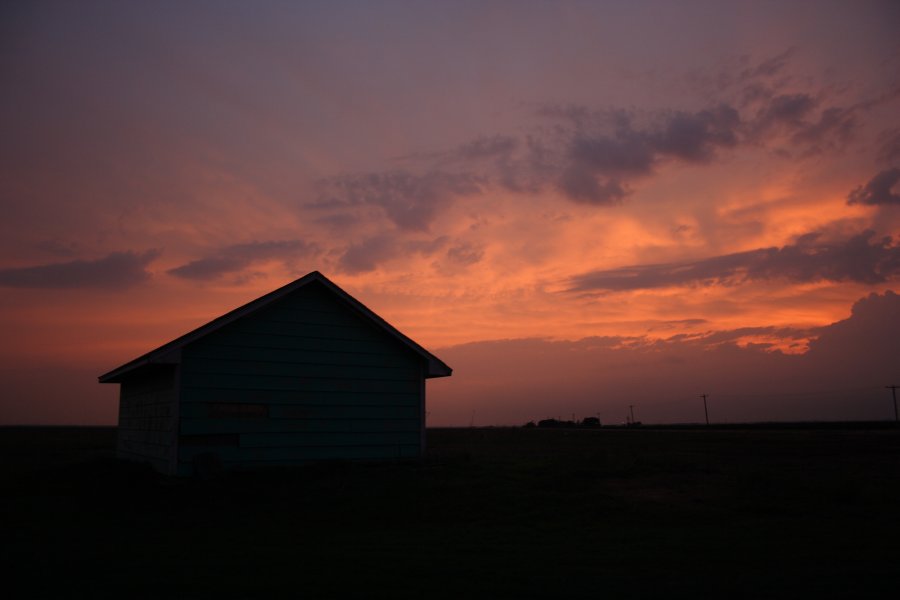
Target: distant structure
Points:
x,y
305,372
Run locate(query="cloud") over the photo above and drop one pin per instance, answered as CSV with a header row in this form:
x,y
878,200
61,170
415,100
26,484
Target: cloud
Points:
x,y
890,148
695,137
487,147
205,269
859,258
365,256
58,247
841,376
591,161
878,189
874,324
626,153
237,257
606,150
118,270
834,128
411,201
597,156
369,254
751,81
252,251
795,121
340,221
581,184
770,67
786,110
465,254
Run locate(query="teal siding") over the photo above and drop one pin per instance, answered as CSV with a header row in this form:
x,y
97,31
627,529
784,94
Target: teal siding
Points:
x,y
285,455
305,378
277,426
147,416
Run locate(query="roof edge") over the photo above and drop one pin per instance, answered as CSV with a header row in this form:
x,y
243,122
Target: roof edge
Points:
x,y
169,353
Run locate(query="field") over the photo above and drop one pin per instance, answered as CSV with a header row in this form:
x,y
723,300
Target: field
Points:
x,y
518,513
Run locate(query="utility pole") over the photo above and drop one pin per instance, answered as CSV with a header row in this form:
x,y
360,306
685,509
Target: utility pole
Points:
x,y
893,389
631,410
705,412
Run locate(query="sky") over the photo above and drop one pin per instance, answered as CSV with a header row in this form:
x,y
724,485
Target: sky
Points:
x,y
584,208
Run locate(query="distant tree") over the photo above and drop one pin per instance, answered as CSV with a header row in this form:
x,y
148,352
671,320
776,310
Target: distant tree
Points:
x,y
548,423
530,424
590,422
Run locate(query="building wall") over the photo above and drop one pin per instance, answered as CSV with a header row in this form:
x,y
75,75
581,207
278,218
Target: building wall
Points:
x,y
305,378
147,416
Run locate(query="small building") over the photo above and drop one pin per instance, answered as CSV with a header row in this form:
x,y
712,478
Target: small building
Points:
x,y
303,373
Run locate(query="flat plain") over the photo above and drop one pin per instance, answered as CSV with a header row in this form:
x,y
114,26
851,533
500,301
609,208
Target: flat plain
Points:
x,y
752,512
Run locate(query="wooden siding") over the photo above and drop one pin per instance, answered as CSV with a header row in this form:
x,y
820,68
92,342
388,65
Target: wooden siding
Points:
x,y
310,379
147,416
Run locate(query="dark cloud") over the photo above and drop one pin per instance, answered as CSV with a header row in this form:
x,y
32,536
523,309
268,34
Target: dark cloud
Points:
x,y
426,247
365,256
797,123
841,376
582,184
890,148
750,80
695,137
118,270
465,254
860,258
676,323
589,160
339,221
272,249
776,336
412,201
770,67
502,163
626,153
369,254
708,271
874,324
878,190
205,269
596,156
786,110
607,150
58,247
599,154
833,129
578,115
237,257
487,147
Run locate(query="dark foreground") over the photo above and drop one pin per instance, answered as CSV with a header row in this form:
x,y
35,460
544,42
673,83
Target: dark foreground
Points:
x,y
491,513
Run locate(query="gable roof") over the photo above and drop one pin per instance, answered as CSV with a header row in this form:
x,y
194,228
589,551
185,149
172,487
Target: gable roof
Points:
x,y
170,353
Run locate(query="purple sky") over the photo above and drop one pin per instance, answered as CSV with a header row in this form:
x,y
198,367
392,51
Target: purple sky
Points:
x,y
578,205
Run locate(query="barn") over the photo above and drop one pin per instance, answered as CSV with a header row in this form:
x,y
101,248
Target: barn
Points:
x,y
306,372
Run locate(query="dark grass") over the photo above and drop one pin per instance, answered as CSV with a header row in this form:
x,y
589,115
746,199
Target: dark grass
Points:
x,y
742,513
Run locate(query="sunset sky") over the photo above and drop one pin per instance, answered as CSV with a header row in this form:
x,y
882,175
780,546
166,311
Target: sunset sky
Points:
x,y
579,206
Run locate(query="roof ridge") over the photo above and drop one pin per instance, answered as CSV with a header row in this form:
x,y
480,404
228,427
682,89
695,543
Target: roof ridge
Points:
x,y
168,353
